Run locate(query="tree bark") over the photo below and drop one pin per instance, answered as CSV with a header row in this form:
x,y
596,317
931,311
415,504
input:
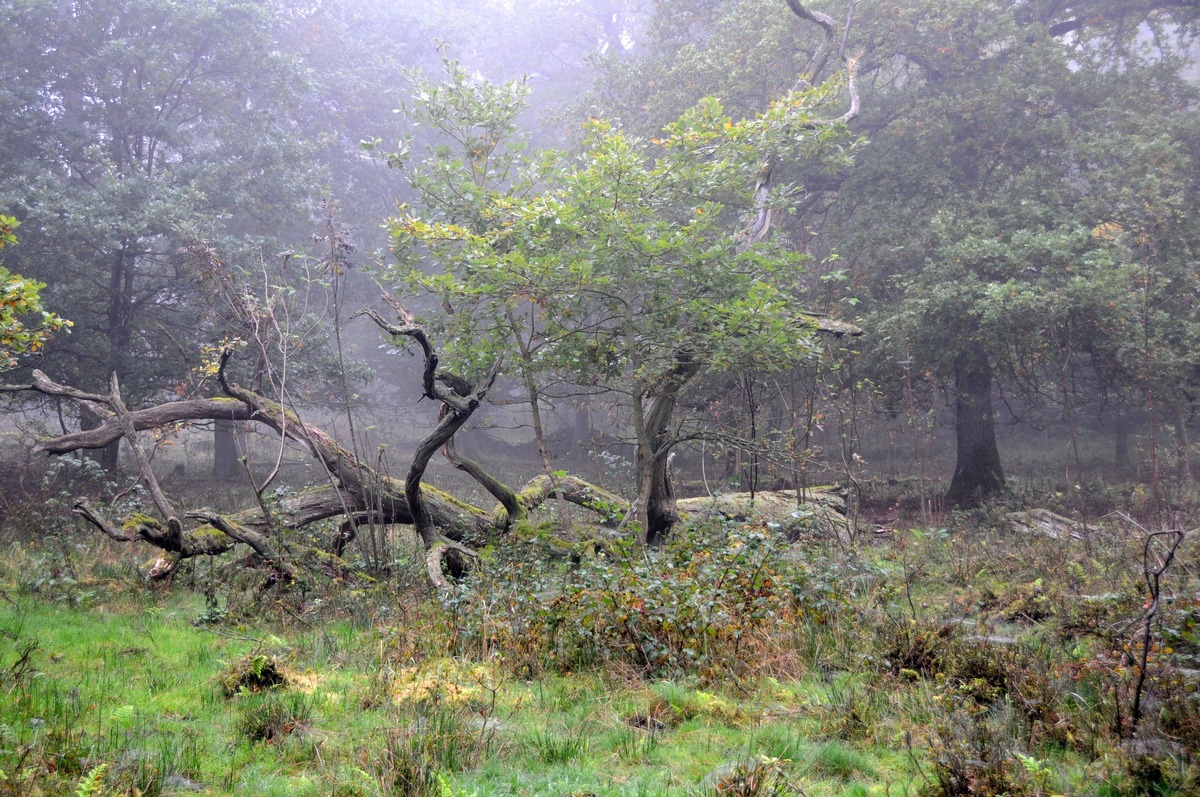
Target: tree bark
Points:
x,y
1121,457
226,451
978,474
656,493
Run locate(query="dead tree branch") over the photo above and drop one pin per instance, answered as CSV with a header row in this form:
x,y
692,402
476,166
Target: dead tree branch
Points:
x,y
760,228
1157,554
459,401
510,503
353,490
257,542
174,527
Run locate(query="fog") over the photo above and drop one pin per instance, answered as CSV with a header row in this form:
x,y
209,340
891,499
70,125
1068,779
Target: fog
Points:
x,y
931,258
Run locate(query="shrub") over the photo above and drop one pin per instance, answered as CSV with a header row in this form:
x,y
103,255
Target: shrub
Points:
x,y
253,673
700,605
973,755
757,777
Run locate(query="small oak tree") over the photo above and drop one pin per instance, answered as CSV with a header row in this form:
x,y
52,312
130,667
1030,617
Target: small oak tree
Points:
x,y
628,269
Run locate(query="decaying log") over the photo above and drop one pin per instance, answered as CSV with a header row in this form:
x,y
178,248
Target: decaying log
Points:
x,y
1045,523
822,510
610,507
353,492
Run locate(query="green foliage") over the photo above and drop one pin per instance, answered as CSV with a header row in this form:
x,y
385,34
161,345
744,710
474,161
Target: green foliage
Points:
x,y
840,761
992,233
1021,211
256,673
627,269
558,746
417,758
701,605
91,783
748,53
19,298
809,699
138,128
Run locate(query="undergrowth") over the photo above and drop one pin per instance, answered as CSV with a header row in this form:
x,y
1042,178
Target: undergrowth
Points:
x,y
707,604
958,659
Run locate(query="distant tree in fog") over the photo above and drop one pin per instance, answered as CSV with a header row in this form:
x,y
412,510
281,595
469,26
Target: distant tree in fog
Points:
x,y
1024,164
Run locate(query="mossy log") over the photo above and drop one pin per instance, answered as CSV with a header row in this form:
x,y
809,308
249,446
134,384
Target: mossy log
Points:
x,y
353,492
822,510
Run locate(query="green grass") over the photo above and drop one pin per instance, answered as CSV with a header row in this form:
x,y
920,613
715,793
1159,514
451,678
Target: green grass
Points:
x,y
141,691
889,687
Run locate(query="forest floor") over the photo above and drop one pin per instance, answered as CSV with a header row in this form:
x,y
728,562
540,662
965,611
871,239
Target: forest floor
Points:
x,y
962,657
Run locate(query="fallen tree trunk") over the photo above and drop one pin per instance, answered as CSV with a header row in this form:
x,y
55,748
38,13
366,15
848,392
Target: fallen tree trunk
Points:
x,y
1046,524
354,491
823,511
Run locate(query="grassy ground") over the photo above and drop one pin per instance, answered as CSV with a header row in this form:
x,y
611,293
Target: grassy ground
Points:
x,y
962,659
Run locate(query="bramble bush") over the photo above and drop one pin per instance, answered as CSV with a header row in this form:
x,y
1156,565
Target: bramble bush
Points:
x,y
705,604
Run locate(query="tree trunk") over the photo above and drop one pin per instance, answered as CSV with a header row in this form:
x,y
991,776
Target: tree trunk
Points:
x,y
524,340
655,492
120,313
226,451
1183,463
978,474
661,511
1121,456
110,457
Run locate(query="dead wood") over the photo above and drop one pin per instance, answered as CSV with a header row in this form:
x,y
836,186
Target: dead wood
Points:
x,y
353,491
1046,524
823,511
459,401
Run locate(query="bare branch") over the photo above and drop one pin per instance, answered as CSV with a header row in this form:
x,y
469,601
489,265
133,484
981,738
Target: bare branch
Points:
x,y
85,510
509,501
147,473
459,401
94,402
242,534
205,409
828,26
760,227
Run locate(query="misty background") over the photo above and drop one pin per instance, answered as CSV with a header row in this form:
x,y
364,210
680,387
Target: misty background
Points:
x,y
1020,185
